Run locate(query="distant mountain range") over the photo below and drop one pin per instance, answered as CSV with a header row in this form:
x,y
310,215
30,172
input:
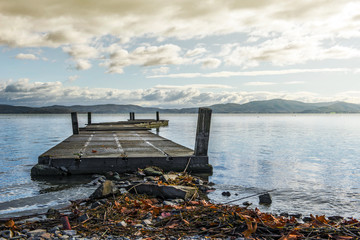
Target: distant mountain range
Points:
x,y
269,106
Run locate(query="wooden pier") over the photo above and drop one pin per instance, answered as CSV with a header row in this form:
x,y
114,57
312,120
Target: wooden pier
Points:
x,y
124,147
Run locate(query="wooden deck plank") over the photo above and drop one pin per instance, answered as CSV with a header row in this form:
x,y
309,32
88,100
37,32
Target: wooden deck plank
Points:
x,y
122,146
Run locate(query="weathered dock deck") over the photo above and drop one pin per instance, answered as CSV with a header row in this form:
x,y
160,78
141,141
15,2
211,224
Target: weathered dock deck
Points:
x,y
125,147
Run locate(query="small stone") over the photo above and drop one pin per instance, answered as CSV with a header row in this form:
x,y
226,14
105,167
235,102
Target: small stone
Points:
x,y
54,229
36,233
139,225
69,232
147,222
265,199
45,235
198,181
151,171
83,217
95,204
226,194
284,214
122,224
105,189
7,234
247,203
52,213
64,169
169,203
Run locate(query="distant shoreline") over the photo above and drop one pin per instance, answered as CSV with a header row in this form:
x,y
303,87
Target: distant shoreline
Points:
x,y
275,106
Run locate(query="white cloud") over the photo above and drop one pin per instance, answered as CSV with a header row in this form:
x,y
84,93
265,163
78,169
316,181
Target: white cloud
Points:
x,y
26,56
160,70
254,73
73,78
195,52
67,22
259,83
209,62
24,92
144,56
197,86
81,51
82,64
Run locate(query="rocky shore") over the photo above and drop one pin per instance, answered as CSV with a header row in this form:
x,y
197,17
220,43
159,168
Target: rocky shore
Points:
x,y
150,204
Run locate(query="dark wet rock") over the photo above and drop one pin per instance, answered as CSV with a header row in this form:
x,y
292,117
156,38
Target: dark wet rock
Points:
x,y
198,181
246,203
83,217
152,171
165,192
52,213
226,194
104,190
265,199
296,215
45,170
54,229
97,176
64,169
95,204
284,214
336,218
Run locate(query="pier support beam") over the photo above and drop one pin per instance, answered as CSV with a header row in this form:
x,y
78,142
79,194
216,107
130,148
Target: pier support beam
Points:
x,y
157,116
132,116
75,123
203,132
89,118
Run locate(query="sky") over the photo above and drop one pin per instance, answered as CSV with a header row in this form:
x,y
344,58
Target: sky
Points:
x,y
178,53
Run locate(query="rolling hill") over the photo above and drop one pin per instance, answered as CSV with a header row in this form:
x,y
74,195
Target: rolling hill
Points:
x,y
268,106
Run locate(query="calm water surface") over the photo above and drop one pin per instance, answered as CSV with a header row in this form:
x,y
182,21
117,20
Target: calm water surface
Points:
x,y
313,161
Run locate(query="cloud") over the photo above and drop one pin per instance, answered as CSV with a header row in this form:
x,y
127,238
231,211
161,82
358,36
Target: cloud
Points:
x,y
82,64
26,56
195,52
65,22
160,70
209,62
254,73
25,92
197,86
284,51
119,58
73,78
259,83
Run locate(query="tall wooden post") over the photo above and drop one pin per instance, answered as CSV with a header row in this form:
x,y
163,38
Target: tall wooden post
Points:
x,y
203,132
89,118
75,123
133,116
157,116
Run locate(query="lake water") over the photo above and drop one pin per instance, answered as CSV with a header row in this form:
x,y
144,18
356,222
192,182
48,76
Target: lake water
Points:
x,y
313,161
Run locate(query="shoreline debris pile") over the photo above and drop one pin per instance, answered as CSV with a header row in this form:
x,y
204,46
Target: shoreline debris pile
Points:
x,y
154,205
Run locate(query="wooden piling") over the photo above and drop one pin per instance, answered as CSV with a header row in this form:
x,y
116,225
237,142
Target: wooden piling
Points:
x,y
75,123
157,116
132,116
89,118
202,132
